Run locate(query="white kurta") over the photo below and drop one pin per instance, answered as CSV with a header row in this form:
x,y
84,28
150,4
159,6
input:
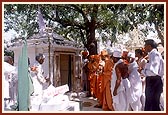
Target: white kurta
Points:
x,y
119,101
38,79
136,87
8,71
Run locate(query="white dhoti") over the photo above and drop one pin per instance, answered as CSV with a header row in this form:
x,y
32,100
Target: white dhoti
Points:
x,y
120,100
136,88
38,87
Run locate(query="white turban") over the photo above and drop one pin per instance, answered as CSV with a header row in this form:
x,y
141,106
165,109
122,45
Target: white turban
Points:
x,y
132,55
117,53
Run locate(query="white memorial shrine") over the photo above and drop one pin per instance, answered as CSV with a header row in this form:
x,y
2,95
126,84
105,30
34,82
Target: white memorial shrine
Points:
x,y
62,64
62,58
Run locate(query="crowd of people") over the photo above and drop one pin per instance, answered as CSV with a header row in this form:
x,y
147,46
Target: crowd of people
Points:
x,y
123,80
120,80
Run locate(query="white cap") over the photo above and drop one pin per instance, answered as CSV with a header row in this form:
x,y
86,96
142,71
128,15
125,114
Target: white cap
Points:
x,y
124,50
117,53
131,54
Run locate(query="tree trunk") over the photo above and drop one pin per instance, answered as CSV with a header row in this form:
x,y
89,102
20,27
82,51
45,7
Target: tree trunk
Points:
x,y
90,32
160,35
91,40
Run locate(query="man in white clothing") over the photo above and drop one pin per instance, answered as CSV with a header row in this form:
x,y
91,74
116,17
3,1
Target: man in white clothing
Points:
x,y
153,71
118,82
38,78
135,82
141,61
10,76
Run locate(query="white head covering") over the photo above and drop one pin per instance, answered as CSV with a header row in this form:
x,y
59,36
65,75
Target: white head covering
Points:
x,y
117,53
131,54
124,50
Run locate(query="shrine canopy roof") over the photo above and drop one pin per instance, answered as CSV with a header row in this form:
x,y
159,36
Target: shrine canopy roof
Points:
x,y
43,39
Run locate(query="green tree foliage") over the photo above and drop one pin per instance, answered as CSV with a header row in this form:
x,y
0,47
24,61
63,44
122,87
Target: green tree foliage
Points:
x,y
79,22
21,18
